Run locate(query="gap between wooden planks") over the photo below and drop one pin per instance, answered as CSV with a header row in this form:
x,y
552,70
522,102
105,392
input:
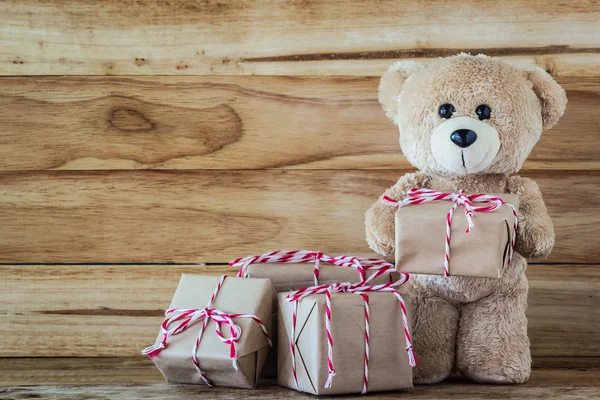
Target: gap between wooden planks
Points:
x,y
115,310
317,37
215,216
92,123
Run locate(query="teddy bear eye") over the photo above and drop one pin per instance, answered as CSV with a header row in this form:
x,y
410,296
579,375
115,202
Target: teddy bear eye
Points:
x,y
446,110
483,112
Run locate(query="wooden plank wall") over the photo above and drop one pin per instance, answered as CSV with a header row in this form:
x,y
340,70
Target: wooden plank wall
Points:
x,y
140,140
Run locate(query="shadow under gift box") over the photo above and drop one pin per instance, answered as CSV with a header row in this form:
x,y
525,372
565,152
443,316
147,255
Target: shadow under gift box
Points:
x,y
483,252
293,276
237,295
389,367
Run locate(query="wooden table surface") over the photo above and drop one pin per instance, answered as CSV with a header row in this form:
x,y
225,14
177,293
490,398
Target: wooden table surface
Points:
x,y
137,378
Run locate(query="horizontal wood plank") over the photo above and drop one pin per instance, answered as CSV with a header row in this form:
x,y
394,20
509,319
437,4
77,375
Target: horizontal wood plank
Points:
x,y
544,387
564,310
139,370
115,310
94,123
215,216
134,370
83,37
137,378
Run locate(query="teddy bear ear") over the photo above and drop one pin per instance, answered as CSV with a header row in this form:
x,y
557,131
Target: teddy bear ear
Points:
x,y
552,96
391,85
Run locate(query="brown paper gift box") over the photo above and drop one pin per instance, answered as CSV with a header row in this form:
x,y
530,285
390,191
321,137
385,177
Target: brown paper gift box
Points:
x,y
388,366
293,276
483,252
249,296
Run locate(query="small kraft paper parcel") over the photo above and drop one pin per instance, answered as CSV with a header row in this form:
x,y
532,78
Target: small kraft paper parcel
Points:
x,y
216,331
434,236
345,338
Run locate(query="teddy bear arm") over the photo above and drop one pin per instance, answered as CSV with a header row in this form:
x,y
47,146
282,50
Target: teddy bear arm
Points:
x,y
535,236
379,219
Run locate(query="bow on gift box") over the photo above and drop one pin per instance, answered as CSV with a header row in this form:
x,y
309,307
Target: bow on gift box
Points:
x,y
188,317
362,289
490,203
304,256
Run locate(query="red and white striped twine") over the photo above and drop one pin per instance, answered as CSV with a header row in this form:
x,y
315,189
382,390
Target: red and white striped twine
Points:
x,y
190,316
363,290
307,256
418,196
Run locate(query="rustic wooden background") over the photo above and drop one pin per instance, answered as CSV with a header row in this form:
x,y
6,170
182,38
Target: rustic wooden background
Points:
x,y
143,139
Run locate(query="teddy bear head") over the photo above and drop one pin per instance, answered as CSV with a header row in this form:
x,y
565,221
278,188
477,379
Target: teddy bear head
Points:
x,y
469,114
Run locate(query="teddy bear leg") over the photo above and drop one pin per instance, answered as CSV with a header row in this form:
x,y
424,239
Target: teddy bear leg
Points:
x,y
492,343
435,325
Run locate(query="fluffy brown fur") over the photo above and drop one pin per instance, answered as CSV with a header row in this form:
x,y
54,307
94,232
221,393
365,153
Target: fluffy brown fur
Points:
x,y
474,325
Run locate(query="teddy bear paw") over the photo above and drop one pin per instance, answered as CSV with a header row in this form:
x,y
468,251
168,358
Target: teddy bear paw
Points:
x,y
430,377
510,377
430,380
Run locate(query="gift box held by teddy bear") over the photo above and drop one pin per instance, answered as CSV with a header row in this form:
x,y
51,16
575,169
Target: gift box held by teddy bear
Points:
x,y
434,236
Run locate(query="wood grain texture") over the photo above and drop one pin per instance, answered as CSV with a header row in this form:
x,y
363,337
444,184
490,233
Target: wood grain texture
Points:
x,y
215,216
83,37
106,310
77,371
564,310
85,123
126,378
139,370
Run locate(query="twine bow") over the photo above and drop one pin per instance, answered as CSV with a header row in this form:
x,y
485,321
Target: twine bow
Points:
x,y
490,203
187,317
305,256
362,289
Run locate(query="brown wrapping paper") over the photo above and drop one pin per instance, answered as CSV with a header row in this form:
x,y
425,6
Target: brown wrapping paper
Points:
x,y
286,277
250,296
388,365
293,276
483,252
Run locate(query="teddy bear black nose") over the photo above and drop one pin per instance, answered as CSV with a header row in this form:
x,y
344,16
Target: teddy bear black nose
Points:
x,y
463,137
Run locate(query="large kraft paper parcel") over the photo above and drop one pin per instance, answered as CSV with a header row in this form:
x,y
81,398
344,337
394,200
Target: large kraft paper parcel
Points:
x,y
483,252
237,295
293,276
388,364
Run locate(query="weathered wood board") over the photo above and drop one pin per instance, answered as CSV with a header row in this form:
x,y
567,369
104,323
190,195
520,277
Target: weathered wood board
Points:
x,y
128,378
215,216
84,123
115,310
136,371
307,38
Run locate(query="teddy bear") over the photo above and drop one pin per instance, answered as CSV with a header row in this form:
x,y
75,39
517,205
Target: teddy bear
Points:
x,y
467,123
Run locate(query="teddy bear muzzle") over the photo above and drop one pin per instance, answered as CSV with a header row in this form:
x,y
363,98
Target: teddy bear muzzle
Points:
x,y
464,145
